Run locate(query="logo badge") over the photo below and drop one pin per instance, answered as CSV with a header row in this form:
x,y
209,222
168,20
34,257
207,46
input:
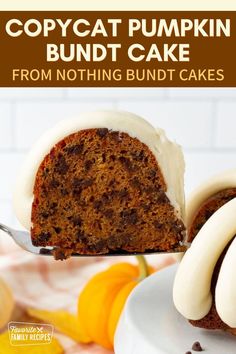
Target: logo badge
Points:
x,y
26,333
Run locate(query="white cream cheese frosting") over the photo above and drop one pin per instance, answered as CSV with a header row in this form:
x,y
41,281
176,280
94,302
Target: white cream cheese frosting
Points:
x,y
225,293
192,286
168,154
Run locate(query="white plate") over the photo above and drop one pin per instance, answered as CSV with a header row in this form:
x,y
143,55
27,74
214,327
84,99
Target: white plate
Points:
x,y
150,323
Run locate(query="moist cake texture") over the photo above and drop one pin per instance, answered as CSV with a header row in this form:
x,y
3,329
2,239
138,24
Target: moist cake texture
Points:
x,y
100,191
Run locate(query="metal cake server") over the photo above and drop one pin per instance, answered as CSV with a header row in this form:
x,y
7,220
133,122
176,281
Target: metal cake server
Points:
x,y
23,239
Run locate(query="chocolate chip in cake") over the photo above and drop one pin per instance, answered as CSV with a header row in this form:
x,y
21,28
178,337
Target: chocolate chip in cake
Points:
x,y
54,183
87,182
76,183
64,192
197,347
57,230
102,132
188,352
117,136
61,166
103,157
76,221
114,242
146,207
99,247
117,241
129,217
75,149
45,214
177,226
112,183
108,197
113,158
88,164
44,191
135,183
97,205
123,193
52,208
127,163
162,198
108,213
105,198
152,173
82,183
157,225
45,172
43,237
77,193
138,155
80,236
150,190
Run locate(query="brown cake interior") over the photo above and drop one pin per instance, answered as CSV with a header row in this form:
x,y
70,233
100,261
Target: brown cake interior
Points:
x,y
101,191
212,320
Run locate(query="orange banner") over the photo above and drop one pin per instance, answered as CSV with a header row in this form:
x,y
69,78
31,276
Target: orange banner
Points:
x,y
126,49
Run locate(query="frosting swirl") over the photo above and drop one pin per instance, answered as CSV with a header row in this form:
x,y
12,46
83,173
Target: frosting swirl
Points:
x,y
192,286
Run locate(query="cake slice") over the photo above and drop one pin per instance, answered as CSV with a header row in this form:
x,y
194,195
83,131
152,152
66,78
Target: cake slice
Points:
x,y
105,182
211,229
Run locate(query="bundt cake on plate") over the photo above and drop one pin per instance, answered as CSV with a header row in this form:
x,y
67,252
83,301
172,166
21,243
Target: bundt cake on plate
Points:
x,y
205,284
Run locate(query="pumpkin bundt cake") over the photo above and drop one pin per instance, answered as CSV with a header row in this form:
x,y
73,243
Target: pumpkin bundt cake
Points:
x,y
205,288
105,182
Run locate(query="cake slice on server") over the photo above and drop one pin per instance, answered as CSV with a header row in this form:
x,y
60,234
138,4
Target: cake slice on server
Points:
x,y
105,182
205,287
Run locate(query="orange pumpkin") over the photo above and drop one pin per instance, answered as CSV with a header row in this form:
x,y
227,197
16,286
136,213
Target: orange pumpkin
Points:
x,y
103,298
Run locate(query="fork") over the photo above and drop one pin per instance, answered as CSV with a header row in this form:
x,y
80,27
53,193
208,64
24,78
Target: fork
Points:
x,y
23,239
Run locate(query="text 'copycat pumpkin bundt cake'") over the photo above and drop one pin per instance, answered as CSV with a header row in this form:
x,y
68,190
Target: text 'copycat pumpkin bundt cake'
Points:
x,y
102,183
205,284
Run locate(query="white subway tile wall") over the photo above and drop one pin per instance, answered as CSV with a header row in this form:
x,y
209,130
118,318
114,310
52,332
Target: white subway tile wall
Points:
x,y
203,121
